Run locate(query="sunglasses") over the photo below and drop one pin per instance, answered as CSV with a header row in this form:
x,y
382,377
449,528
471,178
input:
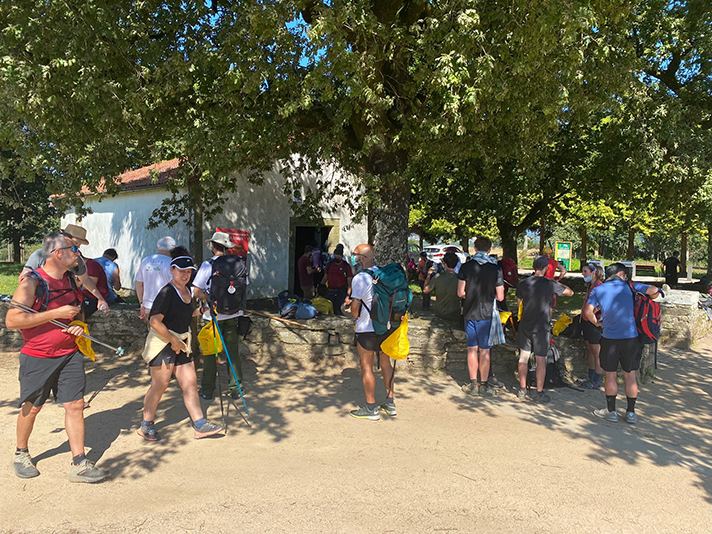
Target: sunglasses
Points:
x,y
74,248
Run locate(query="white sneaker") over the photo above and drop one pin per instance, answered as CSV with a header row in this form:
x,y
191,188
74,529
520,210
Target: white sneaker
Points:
x,y
603,413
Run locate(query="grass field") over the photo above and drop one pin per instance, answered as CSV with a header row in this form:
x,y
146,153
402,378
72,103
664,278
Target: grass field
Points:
x,y
8,277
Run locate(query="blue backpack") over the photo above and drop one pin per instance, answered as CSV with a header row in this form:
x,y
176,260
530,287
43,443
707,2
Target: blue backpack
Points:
x,y
391,297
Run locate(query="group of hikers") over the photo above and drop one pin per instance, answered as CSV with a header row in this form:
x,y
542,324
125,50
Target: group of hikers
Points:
x,y
172,289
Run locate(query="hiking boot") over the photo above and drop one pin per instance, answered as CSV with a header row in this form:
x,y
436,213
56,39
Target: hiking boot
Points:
x,y
541,397
495,382
388,408
470,389
86,472
204,395
365,413
522,394
148,432
235,393
631,418
23,466
485,390
206,429
603,413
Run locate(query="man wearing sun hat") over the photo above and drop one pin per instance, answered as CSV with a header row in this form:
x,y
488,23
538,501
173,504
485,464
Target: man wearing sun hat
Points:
x,y
78,237
219,244
153,273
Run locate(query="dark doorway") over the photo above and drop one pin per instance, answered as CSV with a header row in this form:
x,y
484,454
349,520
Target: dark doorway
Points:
x,y
316,236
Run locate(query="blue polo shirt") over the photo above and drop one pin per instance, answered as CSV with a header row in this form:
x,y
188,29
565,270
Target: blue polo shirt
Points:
x,y
615,299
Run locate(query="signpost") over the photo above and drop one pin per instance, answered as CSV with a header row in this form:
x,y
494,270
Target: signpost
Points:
x,y
562,253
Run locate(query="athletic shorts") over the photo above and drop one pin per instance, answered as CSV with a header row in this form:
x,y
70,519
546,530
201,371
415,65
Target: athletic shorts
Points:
x,y
370,340
627,352
536,342
591,332
169,357
39,376
477,333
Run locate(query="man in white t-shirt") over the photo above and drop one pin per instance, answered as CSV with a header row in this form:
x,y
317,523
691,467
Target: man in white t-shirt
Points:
x,y
154,273
219,244
367,341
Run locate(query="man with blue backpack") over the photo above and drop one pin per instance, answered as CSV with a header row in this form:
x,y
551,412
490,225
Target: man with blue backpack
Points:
x,y
379,300
620,341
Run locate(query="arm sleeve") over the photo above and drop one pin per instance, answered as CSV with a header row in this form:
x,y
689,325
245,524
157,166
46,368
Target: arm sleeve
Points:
x,y
500,278
462,273
201,279
161,303
559,288
641,288
358,286
433,282
348,271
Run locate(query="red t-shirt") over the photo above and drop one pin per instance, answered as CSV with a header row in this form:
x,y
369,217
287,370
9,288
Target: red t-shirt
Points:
x,y
48,340
95,270
337,274
305,279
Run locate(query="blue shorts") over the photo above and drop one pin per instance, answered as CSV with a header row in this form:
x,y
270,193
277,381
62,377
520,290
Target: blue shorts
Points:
x,y
477,333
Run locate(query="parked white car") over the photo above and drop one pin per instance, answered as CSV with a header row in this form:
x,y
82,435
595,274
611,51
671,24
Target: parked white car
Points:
x,y
436,252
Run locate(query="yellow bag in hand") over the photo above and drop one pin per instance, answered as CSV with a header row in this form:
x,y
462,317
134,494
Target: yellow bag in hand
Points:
x,y
84,344
561,324
206,339
397,345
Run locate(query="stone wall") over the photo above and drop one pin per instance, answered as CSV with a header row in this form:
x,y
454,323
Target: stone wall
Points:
x,y
435,344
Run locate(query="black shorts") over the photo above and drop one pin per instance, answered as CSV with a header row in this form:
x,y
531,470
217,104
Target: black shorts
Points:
x,y
536,342
591,332
169,357
370,340
39,376
627,352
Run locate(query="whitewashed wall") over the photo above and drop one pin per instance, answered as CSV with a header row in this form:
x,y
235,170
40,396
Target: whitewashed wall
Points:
x,y
264,210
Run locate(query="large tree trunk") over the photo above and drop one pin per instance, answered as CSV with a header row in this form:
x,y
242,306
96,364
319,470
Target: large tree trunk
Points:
x,y
196,244
584,246
464,240
631,244
542,237
17,248
508,234
709,256
683,253
388,228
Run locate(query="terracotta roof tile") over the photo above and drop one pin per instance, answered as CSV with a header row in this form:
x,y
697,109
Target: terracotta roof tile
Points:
x,y
142,178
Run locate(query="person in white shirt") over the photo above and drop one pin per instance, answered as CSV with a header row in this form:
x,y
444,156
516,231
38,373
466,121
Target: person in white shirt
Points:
x,y
154,273
367,341
219,244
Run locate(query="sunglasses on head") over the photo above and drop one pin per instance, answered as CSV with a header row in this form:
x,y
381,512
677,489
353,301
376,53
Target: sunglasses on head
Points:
x,y
74,248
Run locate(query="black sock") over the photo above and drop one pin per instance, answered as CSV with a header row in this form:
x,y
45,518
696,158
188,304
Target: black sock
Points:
x,y
18,450
611,403
631,404
78,459
370,406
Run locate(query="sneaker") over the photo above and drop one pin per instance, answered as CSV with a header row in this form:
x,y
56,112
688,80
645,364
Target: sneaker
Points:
x,y
86,472
485,390
470,389
23,466
631,418
207,429
389,409
148,432
204,395
365,413
542,398
495,382
603,413
522,394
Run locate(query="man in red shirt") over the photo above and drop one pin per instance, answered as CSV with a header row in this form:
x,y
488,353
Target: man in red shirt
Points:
x,y
96,273
338,278
49,358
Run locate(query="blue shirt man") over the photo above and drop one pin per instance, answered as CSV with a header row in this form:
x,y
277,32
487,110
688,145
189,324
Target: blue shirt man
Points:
x,y
615,299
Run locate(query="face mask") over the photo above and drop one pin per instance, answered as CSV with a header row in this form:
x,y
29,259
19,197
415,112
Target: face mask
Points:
x,y
587,278
356,265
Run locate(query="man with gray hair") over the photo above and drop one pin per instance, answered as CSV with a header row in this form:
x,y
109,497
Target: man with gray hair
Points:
x,y
154,273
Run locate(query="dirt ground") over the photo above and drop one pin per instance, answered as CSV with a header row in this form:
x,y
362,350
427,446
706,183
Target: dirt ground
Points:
x,y
298,463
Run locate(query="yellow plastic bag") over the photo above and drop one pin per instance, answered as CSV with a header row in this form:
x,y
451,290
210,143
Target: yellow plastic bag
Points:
x,y
84,344
521,310
397,345
561,324
207,340
504,316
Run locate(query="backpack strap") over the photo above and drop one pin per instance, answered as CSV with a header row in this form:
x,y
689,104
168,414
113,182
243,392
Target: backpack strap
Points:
x,y
41,288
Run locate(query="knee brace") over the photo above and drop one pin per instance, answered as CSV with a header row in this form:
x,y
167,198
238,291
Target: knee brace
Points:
x,y
524,356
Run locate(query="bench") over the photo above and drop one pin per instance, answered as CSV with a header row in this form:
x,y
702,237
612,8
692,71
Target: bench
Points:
x,y
646,270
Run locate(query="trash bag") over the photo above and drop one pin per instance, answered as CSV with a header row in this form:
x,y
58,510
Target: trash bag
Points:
x,y
397,345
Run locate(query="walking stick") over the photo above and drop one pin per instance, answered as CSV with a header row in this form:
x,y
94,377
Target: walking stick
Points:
x,y
268,316
118,350
229,361
217,372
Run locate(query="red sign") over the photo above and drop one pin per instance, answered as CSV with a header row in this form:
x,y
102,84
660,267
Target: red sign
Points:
x,y
241,238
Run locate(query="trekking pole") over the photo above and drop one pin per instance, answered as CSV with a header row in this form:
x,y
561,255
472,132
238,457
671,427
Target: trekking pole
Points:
x,y
217,372
268,316
118,350
229,361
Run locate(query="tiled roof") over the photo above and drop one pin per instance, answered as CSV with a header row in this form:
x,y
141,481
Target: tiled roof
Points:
x,y
145,177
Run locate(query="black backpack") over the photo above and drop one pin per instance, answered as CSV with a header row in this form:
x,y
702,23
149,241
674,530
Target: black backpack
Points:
x,y
228,284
